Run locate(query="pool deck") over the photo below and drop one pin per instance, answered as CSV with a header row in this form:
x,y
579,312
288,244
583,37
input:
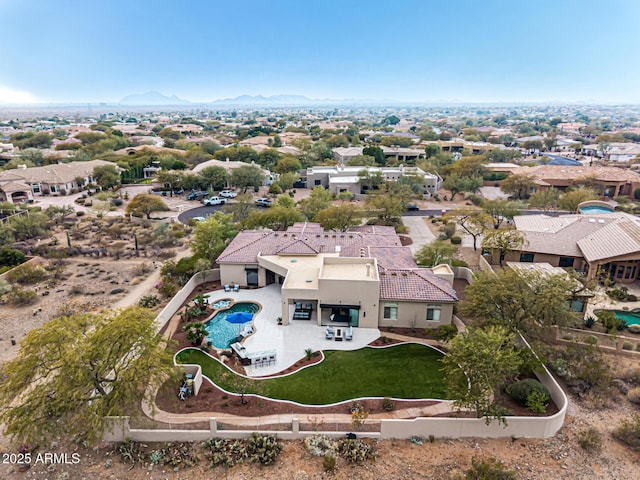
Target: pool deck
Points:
x,y
289,341
601,301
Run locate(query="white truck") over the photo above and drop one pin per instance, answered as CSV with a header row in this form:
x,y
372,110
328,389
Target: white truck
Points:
x,y
214,201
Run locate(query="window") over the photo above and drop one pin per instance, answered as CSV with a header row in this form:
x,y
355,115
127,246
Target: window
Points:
x,y
316,182
36,188
433,313
526,257
391,311
565,262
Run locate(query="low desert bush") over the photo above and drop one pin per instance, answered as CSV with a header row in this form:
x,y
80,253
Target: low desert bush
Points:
x,y
27,274
634,395
490,469
21,297
524,390
628,432
590,439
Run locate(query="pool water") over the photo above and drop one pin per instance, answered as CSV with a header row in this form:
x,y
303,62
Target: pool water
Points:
x,y
221,304
222,333
632,317
594,209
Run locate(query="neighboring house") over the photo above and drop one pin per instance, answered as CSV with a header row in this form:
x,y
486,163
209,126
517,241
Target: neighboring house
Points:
x,y
363,277
347,179
459,145
596,244
570,127
344,154
609,181
615,152
229,165
18,185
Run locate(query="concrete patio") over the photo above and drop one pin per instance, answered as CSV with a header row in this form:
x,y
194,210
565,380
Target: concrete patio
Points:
x,y
290,341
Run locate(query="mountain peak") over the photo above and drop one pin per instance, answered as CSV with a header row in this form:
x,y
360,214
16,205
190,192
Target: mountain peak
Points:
x,y
152,97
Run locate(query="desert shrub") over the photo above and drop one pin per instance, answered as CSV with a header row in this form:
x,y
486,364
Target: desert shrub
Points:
x,y
590,339
610,322
4,286
263,449
589,322
590,439
329,463
356,451
27,274
490,469
149,301
321,445
387,404
22,297
224,451
520,391
631,298
537,402
444,333
634,395
129,451
450,229
456,240
10,257
628,432
275,189
627,346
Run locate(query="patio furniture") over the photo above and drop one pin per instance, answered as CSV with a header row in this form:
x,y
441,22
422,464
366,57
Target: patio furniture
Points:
x,y
348,334
227,288
298,305
329,333
301,315
236,288
339,332
308,307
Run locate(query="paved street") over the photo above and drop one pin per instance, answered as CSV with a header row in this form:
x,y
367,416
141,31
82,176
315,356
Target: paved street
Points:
x,y
418,231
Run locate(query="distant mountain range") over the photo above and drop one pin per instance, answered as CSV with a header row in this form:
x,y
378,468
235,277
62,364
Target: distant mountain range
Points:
x,y
152,98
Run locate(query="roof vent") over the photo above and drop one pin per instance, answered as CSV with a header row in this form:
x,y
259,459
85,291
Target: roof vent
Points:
x,y
592,220
284,235
394,274
338,248
308,280
601,221
294,260
405,274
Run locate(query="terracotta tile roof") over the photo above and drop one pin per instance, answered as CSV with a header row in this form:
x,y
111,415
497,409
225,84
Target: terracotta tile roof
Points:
x,y
299,247
418,284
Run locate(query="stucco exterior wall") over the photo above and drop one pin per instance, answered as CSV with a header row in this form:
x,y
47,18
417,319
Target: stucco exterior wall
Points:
x,y
414,315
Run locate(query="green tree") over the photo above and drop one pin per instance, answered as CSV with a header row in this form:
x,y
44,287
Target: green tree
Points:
x,y
529,302
241,208
286,180
546,200
436,253
477,363
27,227
106,176
469,166
286,164
339,217
146,204
372,179
172,178
319,199
502,210
385,207
277,217
212,236
472,220
74,371
457,184
432,150
570,200
246,176
517,185
504,241
376,152
213,177
268,158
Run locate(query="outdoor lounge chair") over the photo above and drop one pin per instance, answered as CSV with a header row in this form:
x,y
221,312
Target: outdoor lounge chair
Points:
x,y
348,333
236,288
329,333
227,288
308,307
298,305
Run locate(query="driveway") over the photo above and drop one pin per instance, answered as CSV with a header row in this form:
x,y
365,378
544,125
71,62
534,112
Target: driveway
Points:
x,y
418,231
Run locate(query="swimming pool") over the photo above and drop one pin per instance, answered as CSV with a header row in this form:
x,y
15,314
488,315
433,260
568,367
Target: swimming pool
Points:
x,y
594,209
222,333
632,317
221,304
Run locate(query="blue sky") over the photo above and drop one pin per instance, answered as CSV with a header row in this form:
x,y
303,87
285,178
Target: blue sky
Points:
x,y
425,50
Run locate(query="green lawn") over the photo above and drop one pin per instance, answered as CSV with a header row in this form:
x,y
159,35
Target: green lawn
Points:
x,y
409,371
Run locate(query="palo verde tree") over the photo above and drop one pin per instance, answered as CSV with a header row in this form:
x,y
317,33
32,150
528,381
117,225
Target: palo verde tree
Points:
x,y
502,210
517,185
339,217
436,253
478,362
319,199
504,240
211,236
74,371
472,220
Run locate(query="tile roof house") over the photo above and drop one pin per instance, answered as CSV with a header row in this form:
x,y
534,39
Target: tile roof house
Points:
x,y
19,185
597,244
363,277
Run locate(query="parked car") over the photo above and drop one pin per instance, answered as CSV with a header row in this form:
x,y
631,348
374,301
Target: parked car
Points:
x,y
413,207
264,202
197,195
214,201
198,219
228,194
